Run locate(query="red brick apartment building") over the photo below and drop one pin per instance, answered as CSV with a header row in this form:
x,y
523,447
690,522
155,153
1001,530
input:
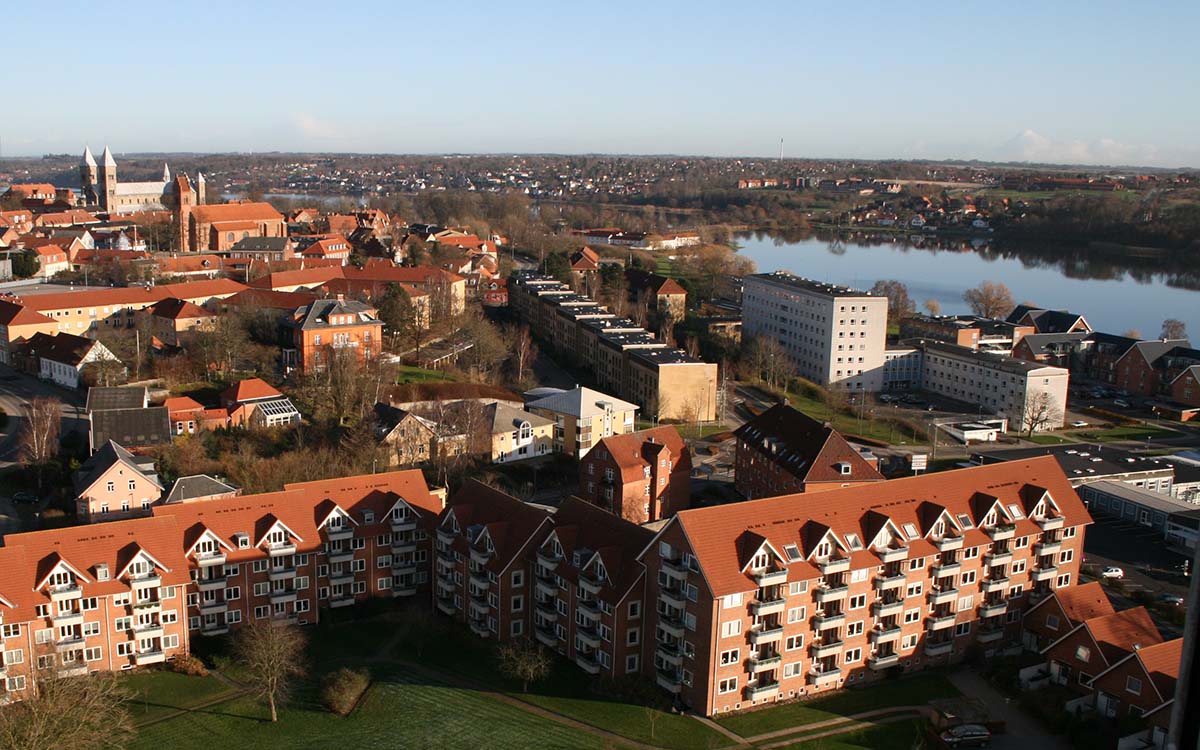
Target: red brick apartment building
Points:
x,y
788,596
1096,645
327,328
783,450
640,476
285,555
1063,611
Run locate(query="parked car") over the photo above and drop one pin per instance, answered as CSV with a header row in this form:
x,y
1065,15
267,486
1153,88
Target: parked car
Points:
x,y
1079,423
1121,403
1172,599
1112,571
966,735
24,498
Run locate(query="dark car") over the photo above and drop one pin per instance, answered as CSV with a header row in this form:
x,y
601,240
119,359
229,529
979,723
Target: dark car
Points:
x,y
24,498
967,735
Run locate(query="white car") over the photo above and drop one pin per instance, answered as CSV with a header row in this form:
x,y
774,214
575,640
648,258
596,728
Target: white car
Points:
x,y
1079,423
1112,571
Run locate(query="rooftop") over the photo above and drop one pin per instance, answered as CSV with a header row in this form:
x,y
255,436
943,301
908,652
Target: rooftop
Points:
x,y
825,289
1083,460
987,359
582,402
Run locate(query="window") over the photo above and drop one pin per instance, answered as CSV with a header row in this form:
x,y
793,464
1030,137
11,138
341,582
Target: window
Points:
x,y
917,563
1133,685
853,656
968,577
1052,622
729,657
794,642
731,628
728,685
1083,654
854,628
911,616
909,641
914,589
858,601
92,654
635,610
795,614
796,588
731,601
961,629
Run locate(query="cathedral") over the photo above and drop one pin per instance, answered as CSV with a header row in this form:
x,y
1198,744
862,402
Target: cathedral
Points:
x,y
102,190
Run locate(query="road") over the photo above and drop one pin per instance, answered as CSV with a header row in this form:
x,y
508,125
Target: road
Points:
x,y
16,390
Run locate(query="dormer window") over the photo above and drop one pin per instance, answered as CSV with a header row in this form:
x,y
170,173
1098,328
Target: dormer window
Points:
x,y
990,519
277,537
824,549
939,528
760,561
368,516
335,523
62,579
206,547
140,568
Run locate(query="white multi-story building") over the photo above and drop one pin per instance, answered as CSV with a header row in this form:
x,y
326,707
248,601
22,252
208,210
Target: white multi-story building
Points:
x,y
833,334
1002,385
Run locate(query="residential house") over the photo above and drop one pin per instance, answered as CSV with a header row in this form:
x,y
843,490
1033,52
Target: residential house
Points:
x,y
172,319
640,476
114,484
1095,645
517,435
660,293
410,439
783,450
198,488
64,359
327,328
254,402
582,417
1054,616
1048,321
124,415
17,323
1141,683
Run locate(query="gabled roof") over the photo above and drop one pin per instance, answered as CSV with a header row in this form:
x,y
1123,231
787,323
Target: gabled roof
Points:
x,y
270,299
509,522
178,309
319,314
182,404
14,314
632,451
581,402
808,449
197,486
1083,602
1162,662
1117,634
107,456
581,525
250,389
64,348
211,213
505,418
908,502
1151,351
304,277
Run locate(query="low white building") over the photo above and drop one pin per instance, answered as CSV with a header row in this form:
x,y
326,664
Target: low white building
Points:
x,y
61,358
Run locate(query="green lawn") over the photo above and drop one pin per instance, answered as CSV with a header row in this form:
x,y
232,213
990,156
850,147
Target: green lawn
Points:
x,y
1051,439
157,694
1127,432
413,374
901,735
397,713
873,426
909,691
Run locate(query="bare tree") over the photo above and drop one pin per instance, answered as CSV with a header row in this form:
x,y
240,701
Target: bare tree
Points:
x,y
899,303
81,713
933,307
524,660
1133,333
991,299
1039,411
524,351
273,656
39,433
1173,328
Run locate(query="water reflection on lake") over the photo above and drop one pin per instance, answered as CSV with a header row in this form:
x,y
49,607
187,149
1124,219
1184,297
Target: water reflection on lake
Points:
x,y
1113,293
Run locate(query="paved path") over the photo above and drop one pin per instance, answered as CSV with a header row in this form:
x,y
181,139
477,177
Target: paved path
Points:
x,y
842,728
1022,732
861,719
738,740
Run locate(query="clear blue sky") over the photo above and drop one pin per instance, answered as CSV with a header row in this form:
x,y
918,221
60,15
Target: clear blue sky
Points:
x,y
1088,82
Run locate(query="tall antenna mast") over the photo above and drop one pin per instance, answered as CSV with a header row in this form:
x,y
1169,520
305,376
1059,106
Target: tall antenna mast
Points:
x,y
780,149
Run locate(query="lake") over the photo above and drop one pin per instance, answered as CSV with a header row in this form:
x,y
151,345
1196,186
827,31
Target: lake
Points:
x,y
1114,295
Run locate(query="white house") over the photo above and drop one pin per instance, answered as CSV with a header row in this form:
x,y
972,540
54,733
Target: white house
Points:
x,y
61,358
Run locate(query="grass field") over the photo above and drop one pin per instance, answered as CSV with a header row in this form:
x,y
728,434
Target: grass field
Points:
x,y
901,735
1052,439
911,691
156,694
413,374
873,425
1128,432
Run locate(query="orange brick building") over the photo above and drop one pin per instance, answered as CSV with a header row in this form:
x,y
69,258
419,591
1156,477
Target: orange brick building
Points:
x,y
328,328
639,476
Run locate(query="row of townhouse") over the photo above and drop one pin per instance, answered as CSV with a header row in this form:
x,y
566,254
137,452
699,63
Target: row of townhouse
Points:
x,y
118,595
765,600
625,358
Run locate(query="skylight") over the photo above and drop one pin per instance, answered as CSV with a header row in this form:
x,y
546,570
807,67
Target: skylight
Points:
x,y
792,552
910,530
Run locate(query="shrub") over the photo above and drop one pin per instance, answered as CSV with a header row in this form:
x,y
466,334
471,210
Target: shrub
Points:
x,y
189,665
341,690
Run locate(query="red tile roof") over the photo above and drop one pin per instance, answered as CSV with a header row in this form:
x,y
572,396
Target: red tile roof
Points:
x,y
1122,632
208,214
1083,602
308,277
627,450
405,274
15,314
716,534
178,309
132,295
249,389
1162,662
268,298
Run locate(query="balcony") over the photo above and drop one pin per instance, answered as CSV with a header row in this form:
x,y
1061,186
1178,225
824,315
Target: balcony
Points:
x,y
403,546
546,586
404,525
213,607
214,629
546,637
480,580
445,566
825,594
941,622
763,663
672,654
145,582
1045,574
479,607
938,648
588,635
480,556
886,583
281,574
67,643
587,663
65,593
446,586
943,596
673,626
205,561
446,606
761,692
948,543
148,630
548,559
945,569
892,554
825,649
884,661
770,578
402,567
668,681
834,566
998,558
1048,548
406,587
762,635
149,657
888,609
819,677
674,568
990,635
993,585
280,549
547,610
340,556
148,607
342,534
673,598
68,618
76,671
283,597
342,600
211,584
885,635
446,537
588,608
765,607
1048,523
479,627
341,578
1002,531
590,584
993,610
822,621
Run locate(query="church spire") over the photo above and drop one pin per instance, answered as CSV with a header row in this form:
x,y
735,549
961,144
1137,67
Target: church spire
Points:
x,y
109,161
166,173
88,160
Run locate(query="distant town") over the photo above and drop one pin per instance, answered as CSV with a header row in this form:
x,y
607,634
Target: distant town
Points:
x,y
530,430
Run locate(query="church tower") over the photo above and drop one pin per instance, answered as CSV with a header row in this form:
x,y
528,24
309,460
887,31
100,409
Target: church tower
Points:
x,y
108,181
87,177
201,189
